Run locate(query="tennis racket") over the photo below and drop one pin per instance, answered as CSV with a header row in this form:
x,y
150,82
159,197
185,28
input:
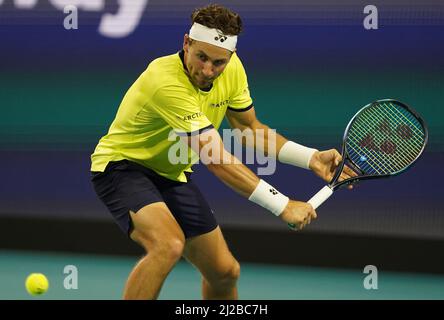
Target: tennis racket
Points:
x,y
382,140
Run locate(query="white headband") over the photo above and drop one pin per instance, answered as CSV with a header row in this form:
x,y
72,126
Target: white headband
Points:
x,y
213,36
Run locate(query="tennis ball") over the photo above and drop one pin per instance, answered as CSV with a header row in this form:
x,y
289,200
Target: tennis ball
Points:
x,y
36,284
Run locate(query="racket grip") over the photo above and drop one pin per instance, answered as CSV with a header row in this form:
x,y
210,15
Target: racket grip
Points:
x,y
317,200
320,197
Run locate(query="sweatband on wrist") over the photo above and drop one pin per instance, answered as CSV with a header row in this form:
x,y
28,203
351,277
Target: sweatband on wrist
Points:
x,y
268,197
212,36
296,154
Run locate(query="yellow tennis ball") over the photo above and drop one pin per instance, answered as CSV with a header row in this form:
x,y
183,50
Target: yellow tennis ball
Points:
x,y
36,283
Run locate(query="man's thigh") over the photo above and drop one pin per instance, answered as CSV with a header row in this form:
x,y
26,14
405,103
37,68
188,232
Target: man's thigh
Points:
x,y
154,225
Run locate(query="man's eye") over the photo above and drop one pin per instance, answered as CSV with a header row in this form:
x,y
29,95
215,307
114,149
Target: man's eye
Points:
x,y
202,57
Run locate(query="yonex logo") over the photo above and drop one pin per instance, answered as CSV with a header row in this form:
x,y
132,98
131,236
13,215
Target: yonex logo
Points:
x,y
273,191
387,133
220,37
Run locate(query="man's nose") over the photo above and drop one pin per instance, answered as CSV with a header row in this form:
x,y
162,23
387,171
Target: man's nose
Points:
x,y
208,70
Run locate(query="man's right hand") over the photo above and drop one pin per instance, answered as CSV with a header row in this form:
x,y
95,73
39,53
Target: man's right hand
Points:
x,y
298,213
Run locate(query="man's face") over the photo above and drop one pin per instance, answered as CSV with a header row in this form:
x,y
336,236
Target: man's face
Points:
x,y
204,61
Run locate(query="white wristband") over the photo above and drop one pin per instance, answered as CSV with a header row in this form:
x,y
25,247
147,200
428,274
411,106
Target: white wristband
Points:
x,y
268,197
296,154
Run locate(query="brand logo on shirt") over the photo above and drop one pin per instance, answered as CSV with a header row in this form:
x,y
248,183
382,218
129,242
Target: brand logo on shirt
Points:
x,y
191,116
220,104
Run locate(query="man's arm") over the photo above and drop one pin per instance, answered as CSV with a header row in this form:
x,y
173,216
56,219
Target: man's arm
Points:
x,y
323,163
209,146
247,120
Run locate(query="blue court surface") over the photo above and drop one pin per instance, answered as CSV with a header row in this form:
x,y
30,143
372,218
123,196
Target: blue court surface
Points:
x,y
103,277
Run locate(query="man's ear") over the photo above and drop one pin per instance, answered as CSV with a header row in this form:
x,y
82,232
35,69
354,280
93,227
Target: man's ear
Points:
x,y
186,42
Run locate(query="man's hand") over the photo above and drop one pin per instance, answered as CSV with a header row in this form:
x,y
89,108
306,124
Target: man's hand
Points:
x,y
324,164
298,213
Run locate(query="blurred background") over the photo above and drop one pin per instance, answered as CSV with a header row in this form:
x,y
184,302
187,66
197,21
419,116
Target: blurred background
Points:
x,y
311,65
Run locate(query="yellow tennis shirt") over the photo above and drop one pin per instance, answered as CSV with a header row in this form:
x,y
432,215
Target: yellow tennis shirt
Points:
x,y
161,102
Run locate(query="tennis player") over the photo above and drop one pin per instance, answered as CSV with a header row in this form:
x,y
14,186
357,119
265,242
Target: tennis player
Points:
x,y
155,202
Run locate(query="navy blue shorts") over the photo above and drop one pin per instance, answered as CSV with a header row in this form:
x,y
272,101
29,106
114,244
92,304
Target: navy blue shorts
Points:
x,y
125,186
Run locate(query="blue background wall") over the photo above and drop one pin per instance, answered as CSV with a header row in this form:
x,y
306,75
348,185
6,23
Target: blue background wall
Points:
x,y
311,66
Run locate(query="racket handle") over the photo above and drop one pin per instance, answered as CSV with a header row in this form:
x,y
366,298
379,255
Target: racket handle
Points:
x,y
317,200
320,197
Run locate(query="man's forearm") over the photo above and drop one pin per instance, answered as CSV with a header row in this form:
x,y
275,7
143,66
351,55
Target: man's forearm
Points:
x,y
242,180
265,139
235,175
275,145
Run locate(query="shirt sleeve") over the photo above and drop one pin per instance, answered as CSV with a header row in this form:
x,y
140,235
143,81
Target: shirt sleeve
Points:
x,y
180,110
241,100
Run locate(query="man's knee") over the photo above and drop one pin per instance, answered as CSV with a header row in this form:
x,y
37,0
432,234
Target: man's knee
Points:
x,y
234,272
168,247
226,275
171,248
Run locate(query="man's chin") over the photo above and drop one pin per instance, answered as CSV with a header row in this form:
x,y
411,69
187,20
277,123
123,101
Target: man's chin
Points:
x,y
204,84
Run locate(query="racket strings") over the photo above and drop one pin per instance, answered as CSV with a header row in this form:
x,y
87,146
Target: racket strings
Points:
x,y
401,153
419,135
414,148
406,158
407,122
397,156
385,138
379,165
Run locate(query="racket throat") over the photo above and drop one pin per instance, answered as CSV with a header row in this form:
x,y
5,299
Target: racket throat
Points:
x,y
355,168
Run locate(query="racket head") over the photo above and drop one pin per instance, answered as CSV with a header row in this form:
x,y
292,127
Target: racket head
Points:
x,y
383,139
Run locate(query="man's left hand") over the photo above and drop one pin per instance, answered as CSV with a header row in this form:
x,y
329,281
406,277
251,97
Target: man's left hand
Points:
x,y
324,164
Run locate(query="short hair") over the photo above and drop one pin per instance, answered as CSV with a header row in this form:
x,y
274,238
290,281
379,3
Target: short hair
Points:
x,y
218,17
